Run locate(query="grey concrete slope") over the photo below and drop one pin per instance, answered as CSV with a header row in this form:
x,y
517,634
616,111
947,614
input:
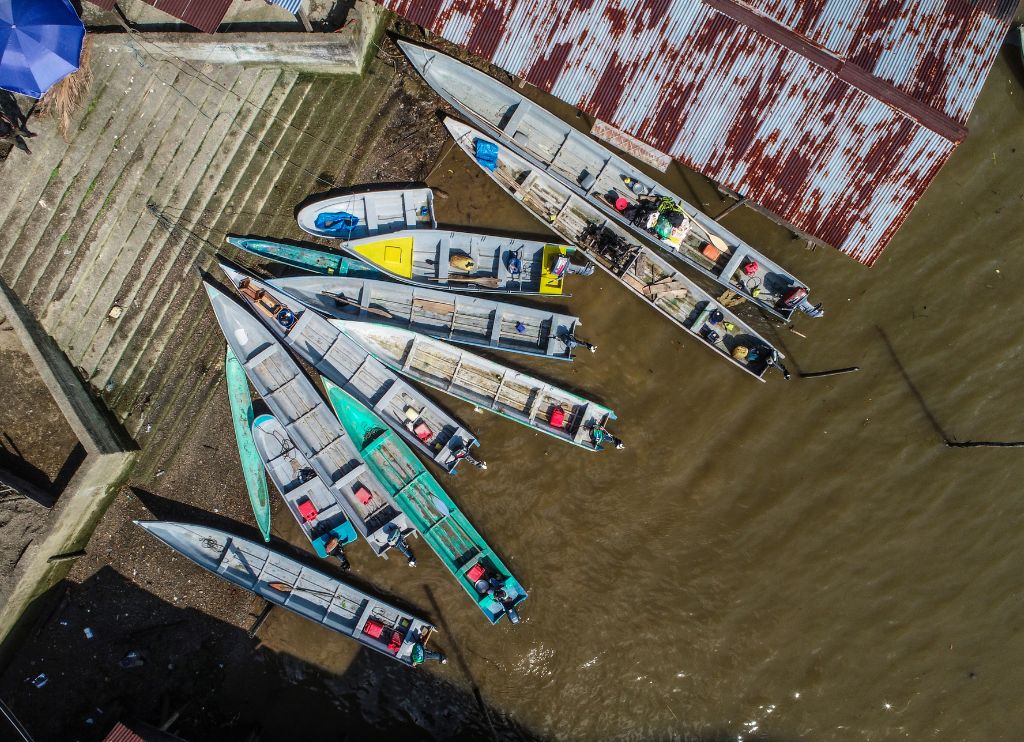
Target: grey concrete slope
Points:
x,y
104,232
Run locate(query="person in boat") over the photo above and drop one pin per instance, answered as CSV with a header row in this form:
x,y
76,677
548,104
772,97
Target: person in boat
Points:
x,y
421,654
769,357
599,434
397,540
571,341
497,591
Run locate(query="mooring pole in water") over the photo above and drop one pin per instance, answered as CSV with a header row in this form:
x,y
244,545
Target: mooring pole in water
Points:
x,y
731,207
262,619
984,444
833,372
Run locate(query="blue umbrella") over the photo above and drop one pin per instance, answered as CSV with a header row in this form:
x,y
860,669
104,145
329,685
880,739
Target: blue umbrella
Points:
x,y
40,44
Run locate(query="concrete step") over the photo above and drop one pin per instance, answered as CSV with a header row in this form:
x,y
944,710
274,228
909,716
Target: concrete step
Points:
x,y
120,204
177,412
148,163
174,370
159,249
140,348
124,157
43,191
312,154
21,173
285,166
98,288
76,291
193,348
277,219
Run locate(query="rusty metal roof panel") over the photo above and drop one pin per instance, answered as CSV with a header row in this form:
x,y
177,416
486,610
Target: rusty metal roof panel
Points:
x,y
205,15
760,95
938,51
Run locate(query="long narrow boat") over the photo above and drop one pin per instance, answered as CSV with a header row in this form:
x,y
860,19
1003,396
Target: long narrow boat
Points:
x,y
320,511
356,215
618,189
638,268
467,320
329,452
446,530
430,430
465,261
286,582
305,258
486,384
241,417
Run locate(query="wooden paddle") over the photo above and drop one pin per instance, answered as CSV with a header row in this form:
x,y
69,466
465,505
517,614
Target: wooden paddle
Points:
x,y
488,281
353,303
719,244
284,587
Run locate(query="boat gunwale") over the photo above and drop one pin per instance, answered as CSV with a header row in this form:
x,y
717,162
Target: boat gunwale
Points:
x,y
261,512
509,143
367,600
713,349
424,401
567,437
417,466
566,355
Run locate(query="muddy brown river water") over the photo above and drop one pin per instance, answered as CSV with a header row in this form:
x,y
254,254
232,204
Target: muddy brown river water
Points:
x,y
801,560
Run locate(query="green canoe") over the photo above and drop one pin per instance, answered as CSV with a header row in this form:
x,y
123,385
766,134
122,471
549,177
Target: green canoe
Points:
x,y
306,258
456,542
252,465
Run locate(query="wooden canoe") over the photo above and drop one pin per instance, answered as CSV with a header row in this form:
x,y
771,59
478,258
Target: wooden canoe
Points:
x,y
329,452
357,215
467,320
488,385
314,339
287,467
284,581
305,258
241,418
638,268
459,546
591,171
469,262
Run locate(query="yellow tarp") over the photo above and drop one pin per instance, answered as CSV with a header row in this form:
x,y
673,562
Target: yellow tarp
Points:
x,y
392,255
549,282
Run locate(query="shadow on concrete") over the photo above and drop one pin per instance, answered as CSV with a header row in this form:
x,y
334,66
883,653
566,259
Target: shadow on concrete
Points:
x,y
12,460
214,681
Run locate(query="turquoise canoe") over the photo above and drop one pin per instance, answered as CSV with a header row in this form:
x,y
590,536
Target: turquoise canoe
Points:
x,y
306,258
446,530
252,465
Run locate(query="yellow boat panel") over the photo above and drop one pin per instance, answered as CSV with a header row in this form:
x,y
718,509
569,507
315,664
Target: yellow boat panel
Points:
x,y
393,255
549,282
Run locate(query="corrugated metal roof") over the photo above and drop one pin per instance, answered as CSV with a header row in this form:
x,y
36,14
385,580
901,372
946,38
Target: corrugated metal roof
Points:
x,y
833,114
205,15
292,6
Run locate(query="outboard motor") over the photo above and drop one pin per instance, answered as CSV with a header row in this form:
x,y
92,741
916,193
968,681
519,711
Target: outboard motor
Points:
x,y
811,310
334,548
461,452
796,299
